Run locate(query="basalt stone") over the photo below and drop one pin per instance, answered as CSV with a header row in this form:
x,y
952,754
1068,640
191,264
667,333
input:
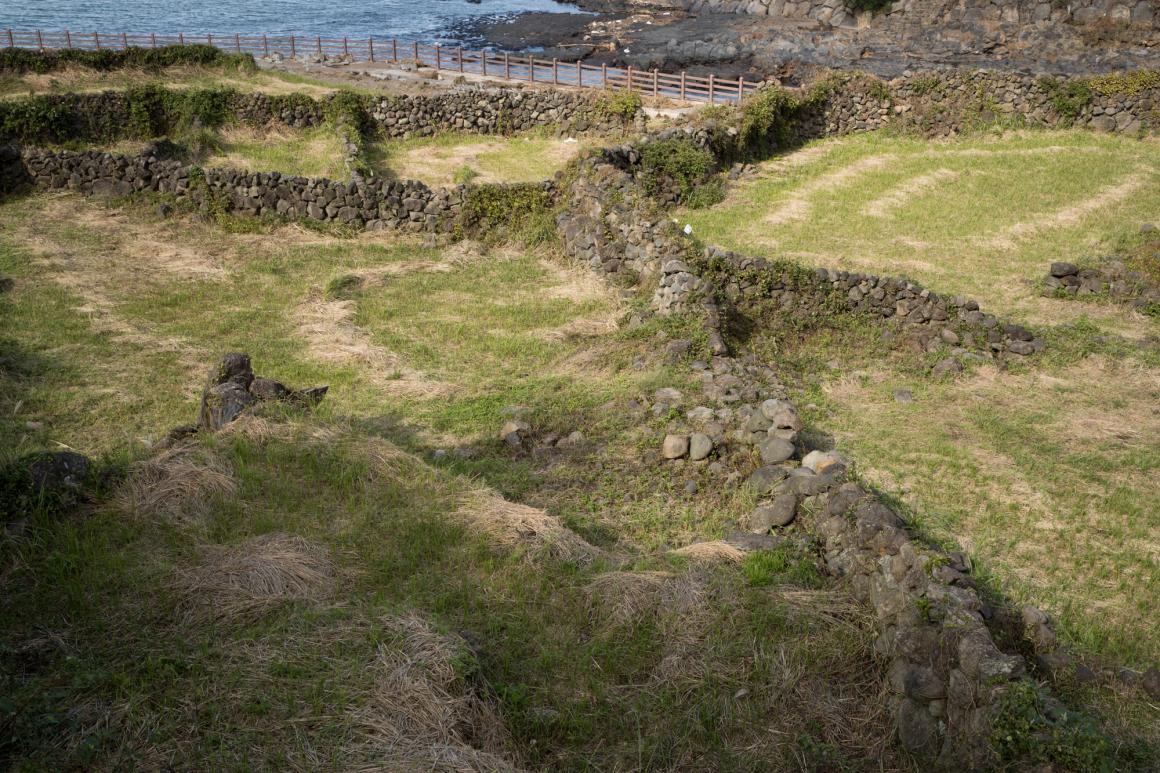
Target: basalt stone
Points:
x,y
675,446
700,446
1062,269
780,512
223,403
269,389
763,479
775,450
49,478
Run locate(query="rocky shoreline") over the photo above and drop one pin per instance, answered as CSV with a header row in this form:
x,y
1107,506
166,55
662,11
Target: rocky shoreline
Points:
x,y
733,39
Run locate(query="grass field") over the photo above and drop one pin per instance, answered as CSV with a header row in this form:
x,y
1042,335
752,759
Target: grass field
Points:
x,y
455,158
328,592
1049,476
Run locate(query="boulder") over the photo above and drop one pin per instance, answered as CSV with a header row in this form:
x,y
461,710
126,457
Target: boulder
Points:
x,y
221,404
765,478
820,461
675,446
700,446
780,512
775,450
1062,269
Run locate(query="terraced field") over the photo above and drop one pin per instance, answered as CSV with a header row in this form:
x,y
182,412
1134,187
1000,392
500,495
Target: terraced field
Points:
x,y
1050,476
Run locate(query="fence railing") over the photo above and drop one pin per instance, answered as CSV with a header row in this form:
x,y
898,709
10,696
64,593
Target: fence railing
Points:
x,y
513,67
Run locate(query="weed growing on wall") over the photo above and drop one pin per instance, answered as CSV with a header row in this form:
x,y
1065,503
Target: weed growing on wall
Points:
x,y
675,163
618,104
1068,98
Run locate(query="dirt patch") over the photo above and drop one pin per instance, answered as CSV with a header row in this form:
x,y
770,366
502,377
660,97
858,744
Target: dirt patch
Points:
x,y
333,337
885,205
439,164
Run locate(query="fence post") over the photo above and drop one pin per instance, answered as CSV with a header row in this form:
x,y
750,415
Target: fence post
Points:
x,y
682,85
459,52
345,47
371,46
209,38
293,50
531,69
97,40
394,49
438,57
11,44
555,72
416,54
39,40
710,88
483,62
579,75
68,40
238,42
740,88
630,77
507,67
603,75
265,45
124,40
656,86
181,38
318,42
152,40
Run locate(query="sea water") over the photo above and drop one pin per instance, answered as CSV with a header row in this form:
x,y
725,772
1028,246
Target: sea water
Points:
x,y
427,20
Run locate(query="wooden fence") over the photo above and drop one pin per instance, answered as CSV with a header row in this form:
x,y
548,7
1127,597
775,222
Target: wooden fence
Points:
x,y
492,64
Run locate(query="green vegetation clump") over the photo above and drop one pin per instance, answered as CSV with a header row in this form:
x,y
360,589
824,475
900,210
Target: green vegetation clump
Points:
x,y
678,162
22,60
149,111
766,120
781,566
618,104
464,175
1025,729
1125,84
523,212
1069,98
927,84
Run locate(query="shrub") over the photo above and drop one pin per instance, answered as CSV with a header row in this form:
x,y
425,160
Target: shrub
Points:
x,y
766,119
618,104
676,161
521,211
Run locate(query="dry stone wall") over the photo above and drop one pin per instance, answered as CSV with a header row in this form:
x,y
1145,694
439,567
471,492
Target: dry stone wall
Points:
x,y
375,204
947,102
112,114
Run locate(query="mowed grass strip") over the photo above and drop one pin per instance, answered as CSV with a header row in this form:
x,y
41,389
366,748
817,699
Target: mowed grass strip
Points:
x,y
982,217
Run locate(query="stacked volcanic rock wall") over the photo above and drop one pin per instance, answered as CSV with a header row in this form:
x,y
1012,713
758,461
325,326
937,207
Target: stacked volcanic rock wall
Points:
x,y
374,203
111,114
941,103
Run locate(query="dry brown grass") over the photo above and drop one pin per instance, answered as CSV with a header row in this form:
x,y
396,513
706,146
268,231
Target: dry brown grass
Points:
x,y
798,205
713,551
1073,213
333,337
240,582
175,483
513,525
905,191
420,714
